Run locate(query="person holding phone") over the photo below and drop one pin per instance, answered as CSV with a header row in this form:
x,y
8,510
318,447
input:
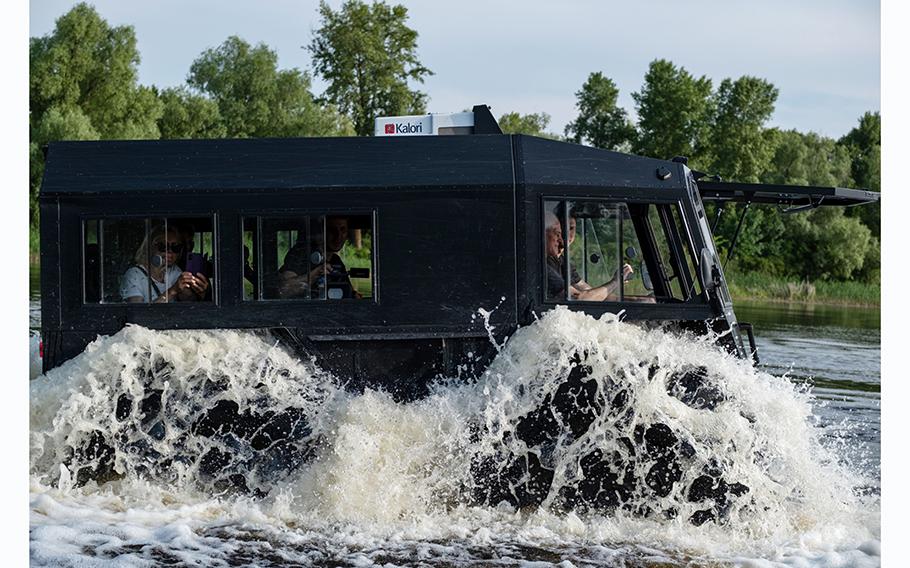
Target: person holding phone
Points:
x,y
155,276
307,273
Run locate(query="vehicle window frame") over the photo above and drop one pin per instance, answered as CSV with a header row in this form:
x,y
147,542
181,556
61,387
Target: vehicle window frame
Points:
x,y
85,218
687,260
681,232
297,214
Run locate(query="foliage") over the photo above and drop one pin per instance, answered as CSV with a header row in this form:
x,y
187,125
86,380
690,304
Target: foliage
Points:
x,y
760,245
863,144
255,98
187,115
85,64
534,124
83,86
674,111
872,263
825,244
807,159
368,55
600,122
740,148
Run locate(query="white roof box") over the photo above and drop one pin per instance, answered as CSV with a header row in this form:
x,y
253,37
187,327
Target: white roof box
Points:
x,y
479,121
425,124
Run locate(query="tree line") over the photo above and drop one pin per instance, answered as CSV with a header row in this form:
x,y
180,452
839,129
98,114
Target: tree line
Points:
x,y
83,85
723,132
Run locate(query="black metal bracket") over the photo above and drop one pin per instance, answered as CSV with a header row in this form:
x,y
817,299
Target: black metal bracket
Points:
x,y
811,205
739,227
697,175
484,122
720,210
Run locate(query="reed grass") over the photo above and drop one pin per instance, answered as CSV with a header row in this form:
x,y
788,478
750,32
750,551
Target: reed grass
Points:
x,y
759,286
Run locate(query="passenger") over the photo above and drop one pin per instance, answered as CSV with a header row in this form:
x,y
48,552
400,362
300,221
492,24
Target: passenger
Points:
x,y
155,276
578,288
201,262
295,281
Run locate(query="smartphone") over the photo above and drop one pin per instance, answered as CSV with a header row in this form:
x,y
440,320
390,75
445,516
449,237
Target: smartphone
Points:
x,y
195,263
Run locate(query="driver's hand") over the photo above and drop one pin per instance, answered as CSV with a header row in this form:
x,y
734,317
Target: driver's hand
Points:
x,y
627,272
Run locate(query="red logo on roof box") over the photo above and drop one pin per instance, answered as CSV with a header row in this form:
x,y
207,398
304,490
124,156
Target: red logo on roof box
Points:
x,y
390,129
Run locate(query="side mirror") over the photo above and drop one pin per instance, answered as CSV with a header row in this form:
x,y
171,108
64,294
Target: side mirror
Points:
x,y
631,253
645,276
706,266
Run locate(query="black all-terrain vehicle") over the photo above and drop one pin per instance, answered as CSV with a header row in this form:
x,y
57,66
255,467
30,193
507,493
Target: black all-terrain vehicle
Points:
x,y
375,254
427,229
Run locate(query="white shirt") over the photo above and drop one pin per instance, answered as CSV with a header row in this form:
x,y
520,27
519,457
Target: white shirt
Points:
x,y
135,282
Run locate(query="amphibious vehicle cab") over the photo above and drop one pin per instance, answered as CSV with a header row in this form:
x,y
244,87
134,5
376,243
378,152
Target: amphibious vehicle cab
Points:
x,y
376,253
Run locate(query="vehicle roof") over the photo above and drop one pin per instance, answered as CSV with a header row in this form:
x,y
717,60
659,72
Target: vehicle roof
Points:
x,y
265,164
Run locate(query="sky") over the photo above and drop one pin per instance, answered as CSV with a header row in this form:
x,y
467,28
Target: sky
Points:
x,y
533,56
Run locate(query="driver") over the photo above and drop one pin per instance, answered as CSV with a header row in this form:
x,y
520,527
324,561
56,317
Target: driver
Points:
x,y
578,288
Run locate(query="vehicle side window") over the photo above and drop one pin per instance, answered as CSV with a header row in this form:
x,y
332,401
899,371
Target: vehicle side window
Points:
x,y
141,260
308,257
616,252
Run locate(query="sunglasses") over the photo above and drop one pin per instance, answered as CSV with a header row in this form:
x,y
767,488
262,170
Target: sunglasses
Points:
x,y
175,248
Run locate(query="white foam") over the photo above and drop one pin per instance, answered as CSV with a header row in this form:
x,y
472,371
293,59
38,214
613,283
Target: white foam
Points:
x,y
394,479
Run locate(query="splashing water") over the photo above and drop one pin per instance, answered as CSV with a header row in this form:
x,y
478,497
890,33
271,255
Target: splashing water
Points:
x,y
585,439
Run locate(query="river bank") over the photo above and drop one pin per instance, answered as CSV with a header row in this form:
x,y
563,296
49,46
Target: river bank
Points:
x,y
754,286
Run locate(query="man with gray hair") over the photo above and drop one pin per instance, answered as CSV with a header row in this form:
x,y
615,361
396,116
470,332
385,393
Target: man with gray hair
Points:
x,y
578,288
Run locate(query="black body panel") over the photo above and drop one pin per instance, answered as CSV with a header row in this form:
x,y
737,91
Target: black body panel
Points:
x,y
270,164
457,223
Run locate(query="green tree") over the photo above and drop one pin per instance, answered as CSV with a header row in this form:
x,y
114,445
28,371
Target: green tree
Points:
x,y
534,124
814,244
760,244
187,115
255,98
740,148
368,56
86,64
83,85
806,159
57,123
674,110
864,145
600,122
826,244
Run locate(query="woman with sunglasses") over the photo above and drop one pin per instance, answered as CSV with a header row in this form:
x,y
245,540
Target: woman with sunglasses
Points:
x,y
155,276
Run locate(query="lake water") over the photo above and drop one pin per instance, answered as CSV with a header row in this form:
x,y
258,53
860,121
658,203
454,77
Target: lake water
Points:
x,y
836,350
387,483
